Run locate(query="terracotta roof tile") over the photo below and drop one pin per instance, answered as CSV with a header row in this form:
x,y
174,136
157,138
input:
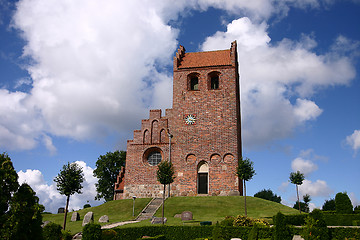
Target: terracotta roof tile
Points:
x,y
206,59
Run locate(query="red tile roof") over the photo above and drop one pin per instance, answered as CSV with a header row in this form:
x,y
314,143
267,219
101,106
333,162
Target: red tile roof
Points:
x,y
206,59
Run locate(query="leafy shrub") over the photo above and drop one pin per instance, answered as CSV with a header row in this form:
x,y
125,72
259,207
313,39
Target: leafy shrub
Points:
x,y
66,235
282,231
343,203
108,234
228,221
52,231
92,231
242,221
268,195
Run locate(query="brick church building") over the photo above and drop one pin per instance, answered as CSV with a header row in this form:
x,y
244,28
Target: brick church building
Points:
x,y
200,134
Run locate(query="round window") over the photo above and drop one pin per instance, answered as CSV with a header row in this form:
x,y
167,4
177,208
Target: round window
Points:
x,y
154,158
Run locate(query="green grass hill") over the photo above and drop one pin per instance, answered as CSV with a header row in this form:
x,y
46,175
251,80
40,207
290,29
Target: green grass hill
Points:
x,y
204,208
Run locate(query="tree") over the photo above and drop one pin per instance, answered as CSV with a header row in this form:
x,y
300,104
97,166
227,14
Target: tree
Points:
x,y
245,171
304,206
329,205
25,211
268,195
165,175
108,167
297,178
315,227
8,185
343,203
69,181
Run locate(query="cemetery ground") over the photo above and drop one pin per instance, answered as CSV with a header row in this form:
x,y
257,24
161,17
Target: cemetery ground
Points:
x,y
204,208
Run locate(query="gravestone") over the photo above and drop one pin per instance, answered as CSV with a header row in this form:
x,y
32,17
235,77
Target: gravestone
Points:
x,y
177,215
88,218
104,219
61,210
45,223
186,216
75,217
297,237
157,220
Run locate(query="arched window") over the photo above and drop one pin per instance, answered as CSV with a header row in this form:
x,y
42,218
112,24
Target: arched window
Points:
x,y
152,156
214,80
193,82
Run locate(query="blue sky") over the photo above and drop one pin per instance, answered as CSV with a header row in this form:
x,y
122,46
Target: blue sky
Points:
x,y
77,77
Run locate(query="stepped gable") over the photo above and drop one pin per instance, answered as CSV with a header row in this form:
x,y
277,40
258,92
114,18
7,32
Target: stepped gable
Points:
x,y
153,130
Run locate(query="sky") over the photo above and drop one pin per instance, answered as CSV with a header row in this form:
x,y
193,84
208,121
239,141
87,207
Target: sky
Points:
x,y
77,77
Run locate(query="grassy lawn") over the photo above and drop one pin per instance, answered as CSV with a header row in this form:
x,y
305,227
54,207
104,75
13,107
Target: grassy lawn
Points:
x,y
209,208
205,208
118,211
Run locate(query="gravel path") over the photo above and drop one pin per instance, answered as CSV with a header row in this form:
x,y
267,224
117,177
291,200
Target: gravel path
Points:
x,y
117,224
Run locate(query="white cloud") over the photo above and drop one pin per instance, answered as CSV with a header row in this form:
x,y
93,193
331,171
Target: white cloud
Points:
x,y
304,166
274,74
354,200
354,140
51,198
97,68
319,188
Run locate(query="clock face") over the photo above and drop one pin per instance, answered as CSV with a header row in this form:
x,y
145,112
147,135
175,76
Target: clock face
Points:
x,y
190,119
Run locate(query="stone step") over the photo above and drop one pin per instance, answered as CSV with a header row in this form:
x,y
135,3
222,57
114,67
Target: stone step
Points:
x,y
150,210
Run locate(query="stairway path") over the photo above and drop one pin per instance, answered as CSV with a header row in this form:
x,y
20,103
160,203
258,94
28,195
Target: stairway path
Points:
x,y
149,211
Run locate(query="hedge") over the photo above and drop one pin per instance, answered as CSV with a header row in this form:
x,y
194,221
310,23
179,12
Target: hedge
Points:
x,y
193,232
342,219
344,233
295,219
330,218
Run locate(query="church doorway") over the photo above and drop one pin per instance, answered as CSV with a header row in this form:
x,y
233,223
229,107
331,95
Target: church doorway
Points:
x,y
203,178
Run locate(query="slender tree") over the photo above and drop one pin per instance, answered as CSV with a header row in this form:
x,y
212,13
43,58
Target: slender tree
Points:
x,y
245,171
297,178
165,175
69,181
25,211
8,186
108,167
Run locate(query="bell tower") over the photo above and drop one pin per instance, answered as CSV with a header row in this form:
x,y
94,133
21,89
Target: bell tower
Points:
x,y
206,120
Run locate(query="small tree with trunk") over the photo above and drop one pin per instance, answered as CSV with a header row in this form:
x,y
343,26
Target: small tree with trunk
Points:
x,y
68,182
245,171
297,178
165,175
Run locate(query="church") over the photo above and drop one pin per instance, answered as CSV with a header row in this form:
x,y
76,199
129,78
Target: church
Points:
x,y
200,134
